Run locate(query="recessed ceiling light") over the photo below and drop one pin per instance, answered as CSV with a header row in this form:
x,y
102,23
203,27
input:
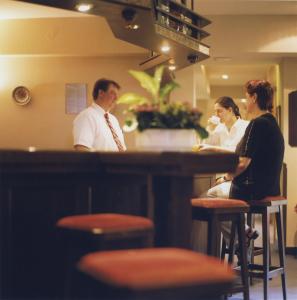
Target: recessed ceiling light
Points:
x,y
222,58
84,7
165,48
172,68
132,26
225,76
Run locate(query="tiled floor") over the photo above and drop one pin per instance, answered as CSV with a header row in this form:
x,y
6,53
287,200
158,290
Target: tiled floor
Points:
x,y
275,290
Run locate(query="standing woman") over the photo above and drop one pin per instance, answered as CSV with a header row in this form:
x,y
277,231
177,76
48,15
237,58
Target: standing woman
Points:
x,y
261,149
226,135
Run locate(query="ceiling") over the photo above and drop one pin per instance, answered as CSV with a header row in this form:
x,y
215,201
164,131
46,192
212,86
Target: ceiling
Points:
x,y
10,9
246,7
234,50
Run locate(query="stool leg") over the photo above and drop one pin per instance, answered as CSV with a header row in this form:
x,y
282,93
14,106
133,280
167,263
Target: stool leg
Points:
x,y
224,250
250,223
231,245
213,237
243,254
266,246
281,250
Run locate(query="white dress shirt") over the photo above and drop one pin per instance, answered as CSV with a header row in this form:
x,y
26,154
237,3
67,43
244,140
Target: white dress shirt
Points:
x,y
91,130
226,139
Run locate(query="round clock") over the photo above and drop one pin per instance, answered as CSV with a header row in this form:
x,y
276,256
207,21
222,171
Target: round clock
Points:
x,y
21,95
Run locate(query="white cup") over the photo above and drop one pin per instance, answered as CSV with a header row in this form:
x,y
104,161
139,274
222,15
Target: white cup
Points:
x,y
214,120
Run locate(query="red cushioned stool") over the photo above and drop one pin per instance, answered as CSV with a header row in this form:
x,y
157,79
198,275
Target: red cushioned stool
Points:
x,y
266,207
159,273
82,234
105,230
217,210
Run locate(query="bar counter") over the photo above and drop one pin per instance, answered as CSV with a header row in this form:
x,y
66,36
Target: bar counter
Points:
x,y
39,187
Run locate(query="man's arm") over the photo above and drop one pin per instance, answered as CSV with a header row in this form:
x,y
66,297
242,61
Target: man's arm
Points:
x,y
81,148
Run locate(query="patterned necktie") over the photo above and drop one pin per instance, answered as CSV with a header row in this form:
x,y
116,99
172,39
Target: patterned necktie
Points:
x,y
114,135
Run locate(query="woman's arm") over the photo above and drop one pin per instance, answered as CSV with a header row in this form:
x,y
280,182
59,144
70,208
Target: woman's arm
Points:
x,y
217,149
244,162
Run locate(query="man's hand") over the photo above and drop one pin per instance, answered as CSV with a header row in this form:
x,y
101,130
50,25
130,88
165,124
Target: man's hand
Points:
x,y
81,148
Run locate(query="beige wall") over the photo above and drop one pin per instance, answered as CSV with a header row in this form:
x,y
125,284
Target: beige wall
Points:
x,y
289,83
43,122
186,92
87,36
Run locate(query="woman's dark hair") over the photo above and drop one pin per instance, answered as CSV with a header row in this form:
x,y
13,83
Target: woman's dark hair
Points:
x,y
228,102
103,85
264,92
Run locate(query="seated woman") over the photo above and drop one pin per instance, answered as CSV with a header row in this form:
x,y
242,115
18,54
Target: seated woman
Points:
x,y
222,137
261,149
226,135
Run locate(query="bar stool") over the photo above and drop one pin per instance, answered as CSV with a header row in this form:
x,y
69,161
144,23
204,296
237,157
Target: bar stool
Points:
x,y
106,231
155,273
81,234
266,207
214,211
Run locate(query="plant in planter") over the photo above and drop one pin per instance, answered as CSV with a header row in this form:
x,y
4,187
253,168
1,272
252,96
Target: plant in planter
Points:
x,y
158,113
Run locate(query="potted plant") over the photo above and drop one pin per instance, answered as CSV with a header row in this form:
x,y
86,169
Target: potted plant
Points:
x,y
162,125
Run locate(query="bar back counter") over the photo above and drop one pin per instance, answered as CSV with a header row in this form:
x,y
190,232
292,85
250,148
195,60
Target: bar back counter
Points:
x,y
37,188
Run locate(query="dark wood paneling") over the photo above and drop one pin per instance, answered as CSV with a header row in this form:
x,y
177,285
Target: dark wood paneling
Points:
x,y
293,119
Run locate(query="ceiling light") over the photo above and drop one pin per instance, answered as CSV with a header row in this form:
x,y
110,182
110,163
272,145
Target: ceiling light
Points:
x,y
243,100
165,48
222,58
84,7
225,76
172,68
132,26
129,15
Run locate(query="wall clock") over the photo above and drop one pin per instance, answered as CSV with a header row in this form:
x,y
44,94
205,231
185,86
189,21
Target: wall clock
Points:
x,y
21,95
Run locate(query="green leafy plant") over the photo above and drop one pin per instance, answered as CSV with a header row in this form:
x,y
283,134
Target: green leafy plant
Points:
x,y
158,112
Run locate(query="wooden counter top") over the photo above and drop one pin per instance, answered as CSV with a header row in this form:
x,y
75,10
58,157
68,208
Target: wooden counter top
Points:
x,y
178,163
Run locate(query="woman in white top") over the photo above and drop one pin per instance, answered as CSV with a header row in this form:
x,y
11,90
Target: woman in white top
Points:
x,y
226,134
224,137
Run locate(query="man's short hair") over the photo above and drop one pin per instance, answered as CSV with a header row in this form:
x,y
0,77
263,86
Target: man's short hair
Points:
x,y
103,85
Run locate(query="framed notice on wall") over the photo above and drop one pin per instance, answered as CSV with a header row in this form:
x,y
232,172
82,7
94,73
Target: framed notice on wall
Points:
x,y
75,97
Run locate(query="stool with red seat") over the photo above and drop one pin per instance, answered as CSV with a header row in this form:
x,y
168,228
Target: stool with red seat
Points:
x,y
103,231
266,207
155,273
82,234
217,210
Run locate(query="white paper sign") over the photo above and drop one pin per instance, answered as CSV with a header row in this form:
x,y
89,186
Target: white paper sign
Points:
x,y
75,97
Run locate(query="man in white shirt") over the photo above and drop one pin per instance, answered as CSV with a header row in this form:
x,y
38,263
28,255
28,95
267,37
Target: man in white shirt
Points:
x,y
95,128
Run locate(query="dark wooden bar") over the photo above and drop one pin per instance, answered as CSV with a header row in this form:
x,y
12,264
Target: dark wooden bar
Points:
x,y
37,188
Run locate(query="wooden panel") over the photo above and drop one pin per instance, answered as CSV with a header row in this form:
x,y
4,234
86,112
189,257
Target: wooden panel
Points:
x,y
293,119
